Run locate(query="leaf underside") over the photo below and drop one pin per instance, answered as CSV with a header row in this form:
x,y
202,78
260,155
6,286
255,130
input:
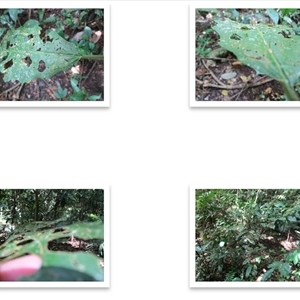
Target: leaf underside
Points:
x,y
24,56
265,48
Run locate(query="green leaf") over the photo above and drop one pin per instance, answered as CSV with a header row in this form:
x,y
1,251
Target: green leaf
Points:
x,y
265,49
94,97
57,95
24,42
286,11
13,13
50,19
57,274
273,14
41,14
267,275
74,83
248,271
85,262
35,238
87,31
78,96
284,269
291,219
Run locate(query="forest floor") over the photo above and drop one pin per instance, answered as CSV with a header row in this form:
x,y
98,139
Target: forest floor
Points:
x,y
210,86
90,73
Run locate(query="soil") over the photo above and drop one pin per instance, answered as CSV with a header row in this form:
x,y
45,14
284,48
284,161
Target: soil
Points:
x,y
209,84
90,73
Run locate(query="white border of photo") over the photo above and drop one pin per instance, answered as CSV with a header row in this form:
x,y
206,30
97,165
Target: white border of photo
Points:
x,y
192,58
72,4
76,284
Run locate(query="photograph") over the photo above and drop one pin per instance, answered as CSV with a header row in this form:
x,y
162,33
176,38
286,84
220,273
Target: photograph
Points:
x,y
53,235
53,55
243,236
245,56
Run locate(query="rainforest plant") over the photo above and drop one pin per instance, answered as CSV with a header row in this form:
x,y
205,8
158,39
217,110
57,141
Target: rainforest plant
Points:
x,y
25,56
272,50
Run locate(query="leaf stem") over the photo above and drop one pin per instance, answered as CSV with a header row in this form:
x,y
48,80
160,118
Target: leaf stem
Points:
x,y
289,92
99,57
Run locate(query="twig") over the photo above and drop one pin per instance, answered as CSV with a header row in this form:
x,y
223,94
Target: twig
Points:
x,y
238,94
11,88
212,74
233,87
17,95
87,76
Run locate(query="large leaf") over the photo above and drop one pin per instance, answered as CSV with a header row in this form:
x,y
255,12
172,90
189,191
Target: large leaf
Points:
x,y
57,265
34,237
58,274
268,49
25,56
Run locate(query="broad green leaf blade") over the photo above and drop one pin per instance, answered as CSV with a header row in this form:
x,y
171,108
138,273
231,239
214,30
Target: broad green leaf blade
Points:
x,y
34,237
80,261
33,58
94,97
14,13
273,14
57,274
248,271
263,48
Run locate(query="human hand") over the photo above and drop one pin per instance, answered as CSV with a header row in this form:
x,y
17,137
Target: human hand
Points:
x,y
13,269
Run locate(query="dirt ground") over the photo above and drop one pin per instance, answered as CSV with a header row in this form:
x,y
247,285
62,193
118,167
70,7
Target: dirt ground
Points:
x,y
244,86
91,71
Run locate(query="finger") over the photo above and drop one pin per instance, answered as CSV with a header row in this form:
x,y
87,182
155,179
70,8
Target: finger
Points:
x,y
25,265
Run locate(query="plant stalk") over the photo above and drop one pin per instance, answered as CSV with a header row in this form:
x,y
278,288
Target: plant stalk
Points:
x,y
98,57
289,92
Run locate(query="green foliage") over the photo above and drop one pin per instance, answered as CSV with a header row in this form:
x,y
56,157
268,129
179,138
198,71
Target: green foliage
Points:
x,y
10,16
202,43
24,43
22,206
57,274
238,234
61,93
265,48
80,94
34,238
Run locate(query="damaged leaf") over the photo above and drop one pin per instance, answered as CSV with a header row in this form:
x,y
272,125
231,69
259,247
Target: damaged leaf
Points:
x,y
24,56
266,49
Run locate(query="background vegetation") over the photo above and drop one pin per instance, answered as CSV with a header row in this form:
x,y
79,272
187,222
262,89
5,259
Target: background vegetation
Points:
x,y
64,227
247,235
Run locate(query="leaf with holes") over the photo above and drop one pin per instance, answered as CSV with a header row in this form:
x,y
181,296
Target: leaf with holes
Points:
x,y
272,50
25,56
34,238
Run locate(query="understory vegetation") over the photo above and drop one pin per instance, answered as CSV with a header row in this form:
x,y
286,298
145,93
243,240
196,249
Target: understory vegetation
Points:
x,y
65,227
247,235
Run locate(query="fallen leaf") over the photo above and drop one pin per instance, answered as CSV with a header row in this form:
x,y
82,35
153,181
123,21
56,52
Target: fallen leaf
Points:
x,y
244,78
224,92
227,76
268,91
95,36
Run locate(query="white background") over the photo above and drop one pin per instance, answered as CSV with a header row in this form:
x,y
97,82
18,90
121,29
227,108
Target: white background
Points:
x,y
149,146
